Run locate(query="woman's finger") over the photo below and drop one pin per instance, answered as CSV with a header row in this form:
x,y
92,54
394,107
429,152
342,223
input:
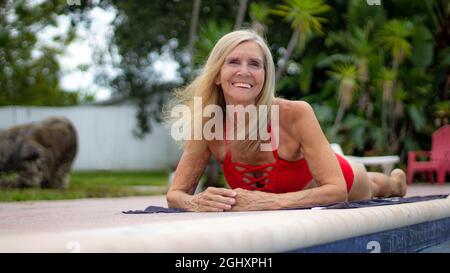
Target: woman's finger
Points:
x,y
222,199
219,198
222,191
215,204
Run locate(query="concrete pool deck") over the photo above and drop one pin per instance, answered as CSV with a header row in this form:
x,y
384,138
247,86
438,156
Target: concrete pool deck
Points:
x,y
32,220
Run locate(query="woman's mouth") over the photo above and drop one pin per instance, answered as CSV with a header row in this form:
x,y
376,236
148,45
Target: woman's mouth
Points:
x,y
242,85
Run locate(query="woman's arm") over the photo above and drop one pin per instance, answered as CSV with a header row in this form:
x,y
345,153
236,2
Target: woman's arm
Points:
x,y
322,163
187,175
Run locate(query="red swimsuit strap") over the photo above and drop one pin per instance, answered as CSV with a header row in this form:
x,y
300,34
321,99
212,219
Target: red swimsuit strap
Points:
x,y
272,142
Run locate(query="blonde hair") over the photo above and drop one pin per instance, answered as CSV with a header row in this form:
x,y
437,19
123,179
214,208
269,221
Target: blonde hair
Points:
x,y
204,85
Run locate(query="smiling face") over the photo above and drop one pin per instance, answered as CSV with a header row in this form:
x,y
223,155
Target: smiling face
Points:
x,y
242,74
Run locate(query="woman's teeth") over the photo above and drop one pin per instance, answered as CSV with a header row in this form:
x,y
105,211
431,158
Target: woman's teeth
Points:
x,y
242,85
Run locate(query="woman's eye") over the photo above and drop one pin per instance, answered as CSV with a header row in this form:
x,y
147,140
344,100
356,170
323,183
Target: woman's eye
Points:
x,y
255,64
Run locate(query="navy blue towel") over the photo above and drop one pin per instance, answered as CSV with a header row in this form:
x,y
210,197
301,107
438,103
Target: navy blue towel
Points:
x,y
383,201
341,205
154,209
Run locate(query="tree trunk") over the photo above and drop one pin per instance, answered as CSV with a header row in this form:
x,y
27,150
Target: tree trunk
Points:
x,y
392,135
395,64
337,121
363,79
387,94
291,46
241,14
193,34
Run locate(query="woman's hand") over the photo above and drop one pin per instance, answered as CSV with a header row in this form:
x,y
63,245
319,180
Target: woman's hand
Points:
x,y
254,200
214,199
220,199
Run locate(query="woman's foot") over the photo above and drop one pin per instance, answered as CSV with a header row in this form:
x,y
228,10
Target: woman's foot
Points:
x,y
399,177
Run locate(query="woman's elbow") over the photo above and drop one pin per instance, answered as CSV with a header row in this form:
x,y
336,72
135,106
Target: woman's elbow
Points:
x,y
171,199
335,194
341,194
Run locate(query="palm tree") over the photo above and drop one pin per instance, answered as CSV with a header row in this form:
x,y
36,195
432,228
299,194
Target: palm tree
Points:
x,y
386,77
303,16
241,14
346,75
394,37
361,49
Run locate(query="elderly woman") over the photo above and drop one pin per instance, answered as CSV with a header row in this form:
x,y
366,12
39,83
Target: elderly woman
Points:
x,y
300,170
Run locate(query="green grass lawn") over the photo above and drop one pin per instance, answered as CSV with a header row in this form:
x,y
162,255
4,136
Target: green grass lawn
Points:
x,y
96,184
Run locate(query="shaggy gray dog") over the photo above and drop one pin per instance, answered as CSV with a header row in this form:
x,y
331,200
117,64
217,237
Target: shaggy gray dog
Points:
x,y
38,154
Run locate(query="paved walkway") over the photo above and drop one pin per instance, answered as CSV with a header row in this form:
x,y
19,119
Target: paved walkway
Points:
x,y
57,216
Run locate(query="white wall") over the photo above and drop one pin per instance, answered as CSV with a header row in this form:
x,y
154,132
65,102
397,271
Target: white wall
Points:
x,y
105,136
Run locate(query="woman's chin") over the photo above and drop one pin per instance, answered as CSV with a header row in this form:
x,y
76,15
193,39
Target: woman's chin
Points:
x,y
241,99
243,102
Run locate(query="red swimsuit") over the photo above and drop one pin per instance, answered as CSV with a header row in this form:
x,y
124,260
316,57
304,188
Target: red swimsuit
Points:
x,y
278,177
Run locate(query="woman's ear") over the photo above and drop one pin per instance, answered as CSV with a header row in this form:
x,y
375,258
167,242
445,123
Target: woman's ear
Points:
x,y
217,79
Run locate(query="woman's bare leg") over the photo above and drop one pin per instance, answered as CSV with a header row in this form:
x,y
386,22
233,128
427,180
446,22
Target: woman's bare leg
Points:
x,y
388,186
367,185
361,188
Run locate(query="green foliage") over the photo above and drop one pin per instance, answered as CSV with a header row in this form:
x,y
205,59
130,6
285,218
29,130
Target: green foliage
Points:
x,y
143,31
416,116
29,71
209,35
303,14
260,12
395,55
359,12
95,185
422,44
394,36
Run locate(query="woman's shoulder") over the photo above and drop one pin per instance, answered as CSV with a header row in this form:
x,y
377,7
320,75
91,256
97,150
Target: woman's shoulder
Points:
x,y
294,117
292,109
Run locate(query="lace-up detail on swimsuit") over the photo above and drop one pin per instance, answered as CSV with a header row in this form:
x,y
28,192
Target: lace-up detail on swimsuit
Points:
x,y
277,177
262,174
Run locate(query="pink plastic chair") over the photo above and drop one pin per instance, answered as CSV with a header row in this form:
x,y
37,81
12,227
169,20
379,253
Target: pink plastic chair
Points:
x,y
439,157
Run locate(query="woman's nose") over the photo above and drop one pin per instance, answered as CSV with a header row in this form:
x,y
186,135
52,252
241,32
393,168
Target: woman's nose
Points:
x,y
243,70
